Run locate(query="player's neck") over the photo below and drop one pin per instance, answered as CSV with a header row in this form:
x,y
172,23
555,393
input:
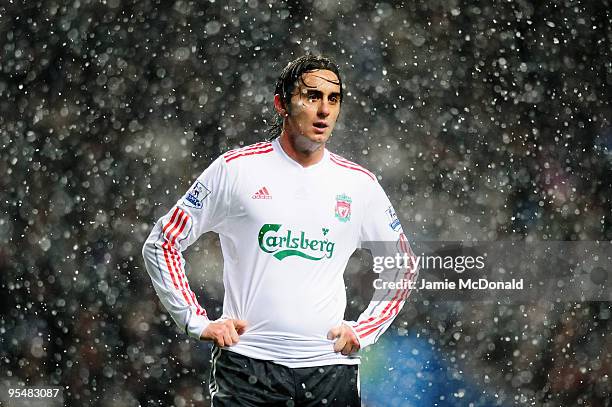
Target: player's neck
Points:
x,y
304,158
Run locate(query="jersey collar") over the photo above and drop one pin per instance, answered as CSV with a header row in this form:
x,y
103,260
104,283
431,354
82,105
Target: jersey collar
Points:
x,y
279,150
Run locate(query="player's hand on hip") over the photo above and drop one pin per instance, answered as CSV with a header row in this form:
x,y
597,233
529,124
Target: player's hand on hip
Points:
x,y
346,341
224,332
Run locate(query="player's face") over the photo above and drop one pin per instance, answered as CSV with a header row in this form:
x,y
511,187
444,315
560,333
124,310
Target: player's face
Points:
x,y
315,105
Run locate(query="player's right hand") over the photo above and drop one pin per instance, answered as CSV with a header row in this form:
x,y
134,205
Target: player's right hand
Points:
x,y
224,332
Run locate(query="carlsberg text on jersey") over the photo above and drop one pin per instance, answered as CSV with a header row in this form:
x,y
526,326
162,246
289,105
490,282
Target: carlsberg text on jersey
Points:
x,y
286,244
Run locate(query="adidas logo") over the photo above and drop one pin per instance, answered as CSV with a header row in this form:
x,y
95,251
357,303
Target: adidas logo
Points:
x,y
262,194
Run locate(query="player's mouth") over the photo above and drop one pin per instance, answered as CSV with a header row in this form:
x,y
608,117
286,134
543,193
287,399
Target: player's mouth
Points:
x,y
320,127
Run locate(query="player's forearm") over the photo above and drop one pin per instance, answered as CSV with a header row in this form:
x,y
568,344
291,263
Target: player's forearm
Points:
x,y
373,322
165,265
385,306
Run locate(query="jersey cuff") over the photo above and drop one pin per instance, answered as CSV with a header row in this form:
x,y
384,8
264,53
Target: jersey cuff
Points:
x,y
196,325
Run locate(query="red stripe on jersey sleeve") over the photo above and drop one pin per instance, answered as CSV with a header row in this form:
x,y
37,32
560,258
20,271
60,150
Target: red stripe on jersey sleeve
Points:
x,y
363,324
350,163
169,251
255,146
176,261
188,294
393,307
265,150
168,254
249,147
176,210
355,168
378,323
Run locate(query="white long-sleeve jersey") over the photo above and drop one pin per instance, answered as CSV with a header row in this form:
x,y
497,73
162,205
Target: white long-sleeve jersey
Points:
x,y
286,234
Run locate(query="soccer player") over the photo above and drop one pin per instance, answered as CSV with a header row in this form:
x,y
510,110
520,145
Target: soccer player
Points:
x,y
289,214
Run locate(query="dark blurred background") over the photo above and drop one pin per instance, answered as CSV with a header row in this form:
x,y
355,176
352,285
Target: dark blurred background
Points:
x,y
486,121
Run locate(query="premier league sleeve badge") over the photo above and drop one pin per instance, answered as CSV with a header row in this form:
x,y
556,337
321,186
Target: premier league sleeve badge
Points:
x,y
196,195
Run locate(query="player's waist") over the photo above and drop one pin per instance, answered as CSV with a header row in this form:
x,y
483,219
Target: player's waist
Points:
x,y
291,350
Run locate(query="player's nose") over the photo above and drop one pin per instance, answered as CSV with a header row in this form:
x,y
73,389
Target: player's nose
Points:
x,y
324,109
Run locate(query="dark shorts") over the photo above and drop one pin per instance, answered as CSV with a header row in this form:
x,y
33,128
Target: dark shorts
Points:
x,y
237,380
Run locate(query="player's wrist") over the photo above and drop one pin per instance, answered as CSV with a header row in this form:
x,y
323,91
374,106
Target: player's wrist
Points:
x,y
197,325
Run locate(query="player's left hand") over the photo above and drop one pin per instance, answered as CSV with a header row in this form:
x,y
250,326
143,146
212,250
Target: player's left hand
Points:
x,y
346,342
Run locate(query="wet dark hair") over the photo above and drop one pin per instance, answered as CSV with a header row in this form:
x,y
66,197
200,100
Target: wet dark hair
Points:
x,y
289,77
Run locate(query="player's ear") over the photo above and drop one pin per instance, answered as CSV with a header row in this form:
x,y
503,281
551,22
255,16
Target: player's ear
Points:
x,y
280,106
